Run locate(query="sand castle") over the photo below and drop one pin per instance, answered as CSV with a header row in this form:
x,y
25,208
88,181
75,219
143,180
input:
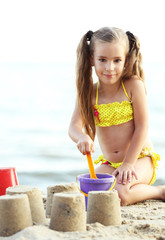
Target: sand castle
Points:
x,y
104,207
68,212
15,214
35,199
71,187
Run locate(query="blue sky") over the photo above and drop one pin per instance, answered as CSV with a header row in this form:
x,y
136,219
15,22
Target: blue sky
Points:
x,y
49,31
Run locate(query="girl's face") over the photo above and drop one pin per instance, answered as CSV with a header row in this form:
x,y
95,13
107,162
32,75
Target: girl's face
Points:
x,y
109,60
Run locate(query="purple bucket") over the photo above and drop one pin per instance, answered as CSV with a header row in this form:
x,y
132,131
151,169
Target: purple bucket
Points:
x,y
104,182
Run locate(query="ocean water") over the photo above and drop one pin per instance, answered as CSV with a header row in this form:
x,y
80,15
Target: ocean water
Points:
x,y
36,104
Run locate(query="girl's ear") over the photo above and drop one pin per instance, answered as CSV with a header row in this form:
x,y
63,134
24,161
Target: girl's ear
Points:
x,y
92,61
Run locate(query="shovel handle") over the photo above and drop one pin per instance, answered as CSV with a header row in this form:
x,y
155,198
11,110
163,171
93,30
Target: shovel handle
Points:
x,y
91,167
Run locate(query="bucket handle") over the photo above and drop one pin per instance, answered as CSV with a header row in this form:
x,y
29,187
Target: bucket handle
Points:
x,y
86,195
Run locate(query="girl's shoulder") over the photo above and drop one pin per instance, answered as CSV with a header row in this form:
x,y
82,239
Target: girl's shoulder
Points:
x,y
133,83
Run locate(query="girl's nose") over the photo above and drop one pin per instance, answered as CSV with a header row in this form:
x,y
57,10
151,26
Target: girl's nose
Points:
x,y
109,66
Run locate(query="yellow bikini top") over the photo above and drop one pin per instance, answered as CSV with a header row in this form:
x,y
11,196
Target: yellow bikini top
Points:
x,y
115,113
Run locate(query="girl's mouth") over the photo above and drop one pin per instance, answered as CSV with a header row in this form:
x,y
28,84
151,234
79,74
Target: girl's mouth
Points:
x,y
109,75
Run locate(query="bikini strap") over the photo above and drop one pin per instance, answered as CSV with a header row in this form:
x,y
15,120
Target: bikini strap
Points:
x,y
125,91
97,92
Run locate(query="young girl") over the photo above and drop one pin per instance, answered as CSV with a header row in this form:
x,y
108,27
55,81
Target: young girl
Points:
x,y
115,109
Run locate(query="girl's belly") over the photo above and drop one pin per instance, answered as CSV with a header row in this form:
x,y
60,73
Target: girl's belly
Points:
x,y
114,141
117,156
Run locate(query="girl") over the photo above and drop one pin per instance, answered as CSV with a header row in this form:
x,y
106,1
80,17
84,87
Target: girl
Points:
x,y
115,109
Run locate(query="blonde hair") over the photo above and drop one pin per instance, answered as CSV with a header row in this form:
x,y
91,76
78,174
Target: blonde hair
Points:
x,y
84,80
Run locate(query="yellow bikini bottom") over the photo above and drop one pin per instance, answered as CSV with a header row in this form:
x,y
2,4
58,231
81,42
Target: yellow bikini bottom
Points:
x,y
147,152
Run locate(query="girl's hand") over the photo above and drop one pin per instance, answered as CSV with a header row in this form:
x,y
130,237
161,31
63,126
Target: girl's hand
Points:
x,y
85,144
125,173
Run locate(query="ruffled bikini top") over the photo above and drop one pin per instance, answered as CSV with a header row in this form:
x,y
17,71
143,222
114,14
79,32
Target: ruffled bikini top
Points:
x,y
115,113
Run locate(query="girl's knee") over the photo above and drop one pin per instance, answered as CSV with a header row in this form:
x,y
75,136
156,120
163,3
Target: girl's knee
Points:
x,y
104,169
123,193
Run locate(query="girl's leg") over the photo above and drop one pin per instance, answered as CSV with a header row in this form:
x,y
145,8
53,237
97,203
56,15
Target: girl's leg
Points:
x,y
137,190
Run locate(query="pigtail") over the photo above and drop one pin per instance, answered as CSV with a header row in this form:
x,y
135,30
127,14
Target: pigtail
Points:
x,y
134,58
84,83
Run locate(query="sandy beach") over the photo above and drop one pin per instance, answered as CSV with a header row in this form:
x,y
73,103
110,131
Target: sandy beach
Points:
x,y
145,220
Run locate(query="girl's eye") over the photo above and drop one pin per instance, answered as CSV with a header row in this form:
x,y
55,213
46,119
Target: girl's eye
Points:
x,y
102,60
118,60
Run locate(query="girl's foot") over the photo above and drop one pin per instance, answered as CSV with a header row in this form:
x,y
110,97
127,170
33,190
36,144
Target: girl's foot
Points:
x,y
162,191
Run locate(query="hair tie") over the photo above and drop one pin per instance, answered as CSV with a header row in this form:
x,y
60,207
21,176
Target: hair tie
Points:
x,y
132,40
89,35
130,35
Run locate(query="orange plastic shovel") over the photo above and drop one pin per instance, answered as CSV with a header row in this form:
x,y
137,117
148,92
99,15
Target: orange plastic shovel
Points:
x,y
91,167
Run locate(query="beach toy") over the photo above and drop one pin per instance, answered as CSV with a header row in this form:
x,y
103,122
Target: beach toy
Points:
x,y
8,178
104,207
91,167
68,212
15,214
35,200
104,182
71,187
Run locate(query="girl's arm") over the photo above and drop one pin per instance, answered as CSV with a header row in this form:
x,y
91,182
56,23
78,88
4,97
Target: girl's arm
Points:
x,y
83,141
126,171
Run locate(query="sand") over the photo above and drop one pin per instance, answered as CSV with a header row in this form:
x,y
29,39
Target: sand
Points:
x,y
144,220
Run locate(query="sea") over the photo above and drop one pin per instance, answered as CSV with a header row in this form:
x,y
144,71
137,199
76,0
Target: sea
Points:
x,y
36,105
